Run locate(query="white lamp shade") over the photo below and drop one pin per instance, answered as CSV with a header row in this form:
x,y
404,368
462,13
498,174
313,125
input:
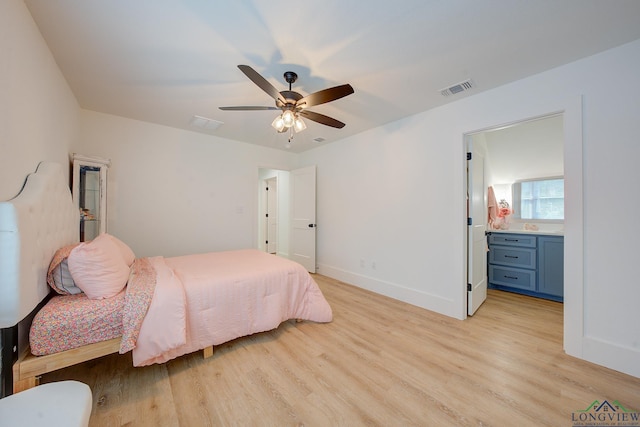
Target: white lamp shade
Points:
x,y
288,118
278,124
299,125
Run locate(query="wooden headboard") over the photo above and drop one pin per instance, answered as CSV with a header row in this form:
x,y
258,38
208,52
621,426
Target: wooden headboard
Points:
x,y
33,225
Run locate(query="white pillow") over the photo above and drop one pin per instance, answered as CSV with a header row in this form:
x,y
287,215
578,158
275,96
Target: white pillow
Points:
x,y
98,267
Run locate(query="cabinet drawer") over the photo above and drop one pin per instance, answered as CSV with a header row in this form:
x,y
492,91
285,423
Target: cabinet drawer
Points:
x,y
513,277
516,257
509,239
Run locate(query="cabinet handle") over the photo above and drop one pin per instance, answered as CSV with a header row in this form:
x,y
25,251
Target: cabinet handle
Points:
x,y
510,240
511,256
511,277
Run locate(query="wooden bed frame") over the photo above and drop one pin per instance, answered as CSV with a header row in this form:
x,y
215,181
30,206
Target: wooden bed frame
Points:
x,y
28,369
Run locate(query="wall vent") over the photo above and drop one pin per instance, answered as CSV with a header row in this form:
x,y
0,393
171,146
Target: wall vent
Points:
x,y
205,123
457,88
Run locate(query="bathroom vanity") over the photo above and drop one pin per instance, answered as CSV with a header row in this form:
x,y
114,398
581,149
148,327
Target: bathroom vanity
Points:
x,y
530,263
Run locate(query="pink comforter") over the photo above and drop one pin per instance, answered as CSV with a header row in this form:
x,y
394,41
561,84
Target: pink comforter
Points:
x,y
208,299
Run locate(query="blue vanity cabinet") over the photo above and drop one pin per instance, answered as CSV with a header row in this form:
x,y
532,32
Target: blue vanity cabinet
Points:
x,y
512,262
527,263
551,265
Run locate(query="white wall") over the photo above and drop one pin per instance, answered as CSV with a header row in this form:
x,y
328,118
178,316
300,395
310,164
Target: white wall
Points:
x,y
395,196
38,112
385,199
173,192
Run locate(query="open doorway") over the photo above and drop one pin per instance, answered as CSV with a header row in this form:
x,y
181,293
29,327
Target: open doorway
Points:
x,y
295,206
501,158
274,211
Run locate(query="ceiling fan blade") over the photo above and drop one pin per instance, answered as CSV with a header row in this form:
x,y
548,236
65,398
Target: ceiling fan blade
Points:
x,y
323,96
248,108
322,119
262,82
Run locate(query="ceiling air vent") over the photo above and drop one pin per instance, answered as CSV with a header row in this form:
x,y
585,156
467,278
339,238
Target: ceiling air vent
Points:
x,y
319,139
205,123
457,88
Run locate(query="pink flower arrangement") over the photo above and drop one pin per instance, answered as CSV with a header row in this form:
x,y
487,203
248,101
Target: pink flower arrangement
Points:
x,y
503,209
503,212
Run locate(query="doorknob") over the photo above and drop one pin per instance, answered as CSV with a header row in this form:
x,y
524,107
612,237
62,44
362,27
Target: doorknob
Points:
x,y
311,225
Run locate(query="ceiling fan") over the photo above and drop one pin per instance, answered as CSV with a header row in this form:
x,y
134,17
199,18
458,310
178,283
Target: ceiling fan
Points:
x,y
293,104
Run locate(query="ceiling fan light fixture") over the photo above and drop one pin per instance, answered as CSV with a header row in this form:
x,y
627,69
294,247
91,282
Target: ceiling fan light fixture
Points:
x,y
299,125
278,124
288,118
292,104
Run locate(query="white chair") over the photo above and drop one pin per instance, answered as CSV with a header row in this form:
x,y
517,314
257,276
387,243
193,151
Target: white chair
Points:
x,y
59,404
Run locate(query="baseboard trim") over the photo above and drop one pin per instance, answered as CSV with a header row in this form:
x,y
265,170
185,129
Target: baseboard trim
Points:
x,y
392,290
610,355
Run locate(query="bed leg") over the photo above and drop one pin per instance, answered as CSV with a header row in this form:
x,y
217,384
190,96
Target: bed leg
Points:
x,y
25,384
207,352
21,382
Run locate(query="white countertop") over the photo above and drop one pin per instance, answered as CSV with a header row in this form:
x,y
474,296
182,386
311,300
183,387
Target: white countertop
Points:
x,y
521,231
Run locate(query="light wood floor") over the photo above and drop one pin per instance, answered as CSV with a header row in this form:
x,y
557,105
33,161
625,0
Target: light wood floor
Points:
x,y
380,362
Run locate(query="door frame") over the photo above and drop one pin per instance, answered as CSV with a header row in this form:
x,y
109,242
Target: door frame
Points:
x,y
571,110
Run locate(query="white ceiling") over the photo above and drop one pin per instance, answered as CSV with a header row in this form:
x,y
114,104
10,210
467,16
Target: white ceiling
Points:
x,y
165,61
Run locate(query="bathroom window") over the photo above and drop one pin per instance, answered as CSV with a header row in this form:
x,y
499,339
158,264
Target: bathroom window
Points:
x,y
539,199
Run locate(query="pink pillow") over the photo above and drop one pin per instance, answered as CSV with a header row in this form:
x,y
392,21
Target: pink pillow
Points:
x,y
125,251
98,267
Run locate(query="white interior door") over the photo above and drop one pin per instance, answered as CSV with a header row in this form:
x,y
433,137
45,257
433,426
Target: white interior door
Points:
x,y
476,238
303,217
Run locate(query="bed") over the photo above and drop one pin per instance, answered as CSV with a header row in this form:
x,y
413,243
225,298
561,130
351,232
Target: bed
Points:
x,y
105,300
